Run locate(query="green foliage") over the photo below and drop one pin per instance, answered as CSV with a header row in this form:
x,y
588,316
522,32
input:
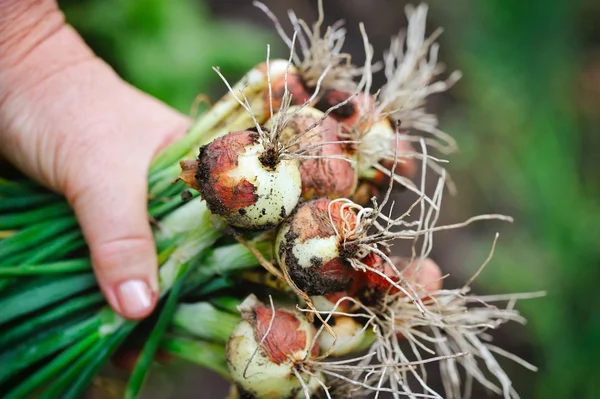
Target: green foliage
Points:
x,y
520,126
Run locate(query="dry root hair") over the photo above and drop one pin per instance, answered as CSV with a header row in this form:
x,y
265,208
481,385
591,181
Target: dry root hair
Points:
x,y
271,138
411,69
319,51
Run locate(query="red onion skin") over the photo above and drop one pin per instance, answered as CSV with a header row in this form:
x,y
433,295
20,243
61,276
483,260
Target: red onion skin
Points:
x,y
309,221
322,177
284,338
223,194
295,86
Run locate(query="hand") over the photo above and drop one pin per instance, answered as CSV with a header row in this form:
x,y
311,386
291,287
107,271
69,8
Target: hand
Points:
x,y
69,122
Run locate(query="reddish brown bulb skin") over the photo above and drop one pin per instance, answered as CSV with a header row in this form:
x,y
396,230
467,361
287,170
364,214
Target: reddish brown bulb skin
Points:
x,y
284,338
357,114
223,194
310,224
405,167
300,94
322,177
266,349
426,280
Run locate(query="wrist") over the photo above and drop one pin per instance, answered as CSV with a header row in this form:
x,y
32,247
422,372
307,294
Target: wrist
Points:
x,y
36,48
24,24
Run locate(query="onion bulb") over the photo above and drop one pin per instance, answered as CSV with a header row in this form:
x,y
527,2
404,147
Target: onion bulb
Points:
x,y
245,183
361,119
312,251
266,352
351,337
355,115
424,275
325,167
296,86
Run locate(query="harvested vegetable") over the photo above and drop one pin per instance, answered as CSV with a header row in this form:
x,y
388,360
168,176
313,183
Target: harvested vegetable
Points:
x,y
266,351
312,251
245,181
326,169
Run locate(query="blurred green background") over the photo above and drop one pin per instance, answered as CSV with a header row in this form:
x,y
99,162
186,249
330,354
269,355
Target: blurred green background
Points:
x,y
526,116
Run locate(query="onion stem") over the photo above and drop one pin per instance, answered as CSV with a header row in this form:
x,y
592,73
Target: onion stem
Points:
x,y
45,320
19,201
46,344
67,266
37,234
209,355
76,378
25,218
43,293
144,361
50,370
203,320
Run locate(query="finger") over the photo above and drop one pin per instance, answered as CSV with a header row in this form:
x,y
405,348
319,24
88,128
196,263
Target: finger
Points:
x,y
111,207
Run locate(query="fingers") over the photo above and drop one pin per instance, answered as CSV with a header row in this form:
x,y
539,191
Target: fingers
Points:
x,y
107,188
112,211
108,191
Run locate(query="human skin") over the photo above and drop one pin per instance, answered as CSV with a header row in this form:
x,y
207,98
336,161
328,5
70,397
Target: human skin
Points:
x,y
69,122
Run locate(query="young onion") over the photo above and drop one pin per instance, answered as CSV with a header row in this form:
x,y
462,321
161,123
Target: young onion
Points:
x,y
310,246
267,349
325,168
248,185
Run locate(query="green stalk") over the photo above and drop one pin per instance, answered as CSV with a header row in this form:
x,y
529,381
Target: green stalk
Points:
x,y
26,388
59,247
35,235
204,321
225,259
16,188
35,297
30,352
190,229
46,319
25,218
144,361
159,210
206,354
73,381
160,182
227,303
20,201
201,131
64,267
62,245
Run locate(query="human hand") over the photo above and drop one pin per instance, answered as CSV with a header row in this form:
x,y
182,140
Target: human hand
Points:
x,y
69,122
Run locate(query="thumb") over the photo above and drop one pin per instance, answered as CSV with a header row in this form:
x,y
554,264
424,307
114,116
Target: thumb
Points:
x,y
112,212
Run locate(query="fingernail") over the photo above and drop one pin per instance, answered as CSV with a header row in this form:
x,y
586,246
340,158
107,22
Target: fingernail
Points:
x,y
135,298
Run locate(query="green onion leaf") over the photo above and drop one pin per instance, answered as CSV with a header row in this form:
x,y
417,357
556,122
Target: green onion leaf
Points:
x,y
41,322
64,267
45,293
144,361
209,355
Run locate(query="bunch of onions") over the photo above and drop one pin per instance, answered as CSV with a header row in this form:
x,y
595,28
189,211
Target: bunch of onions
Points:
x,y
273,165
